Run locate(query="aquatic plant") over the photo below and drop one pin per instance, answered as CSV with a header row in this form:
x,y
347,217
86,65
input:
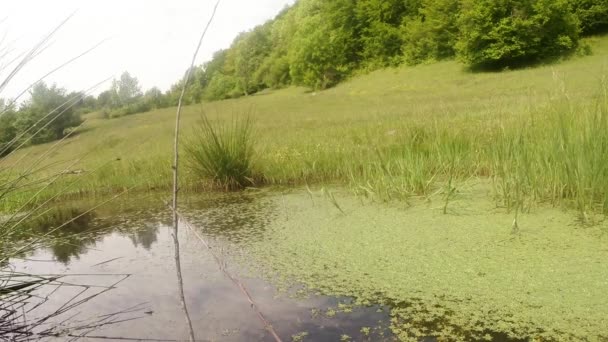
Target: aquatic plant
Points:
x,y
445,275
223,152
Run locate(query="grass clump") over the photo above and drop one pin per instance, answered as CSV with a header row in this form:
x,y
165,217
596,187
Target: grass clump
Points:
x,y
223,152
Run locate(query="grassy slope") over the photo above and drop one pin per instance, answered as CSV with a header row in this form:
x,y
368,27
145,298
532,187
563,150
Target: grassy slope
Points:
x,y
336,134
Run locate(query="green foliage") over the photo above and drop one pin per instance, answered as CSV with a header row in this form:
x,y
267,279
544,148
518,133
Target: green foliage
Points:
x,y
274,72
127,88
319,43
378,24
503,33
248,54
46,115
223,152
432,35
125,97
221,87
593,15
7,131
155,98
323,50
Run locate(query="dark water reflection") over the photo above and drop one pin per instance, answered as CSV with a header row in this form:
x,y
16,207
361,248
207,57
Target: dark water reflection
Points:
x,y
135,238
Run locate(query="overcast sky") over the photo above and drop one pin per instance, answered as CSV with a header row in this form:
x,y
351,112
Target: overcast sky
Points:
x,y
152,39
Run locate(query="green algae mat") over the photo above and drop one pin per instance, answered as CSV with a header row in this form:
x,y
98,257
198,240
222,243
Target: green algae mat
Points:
x,y
456,276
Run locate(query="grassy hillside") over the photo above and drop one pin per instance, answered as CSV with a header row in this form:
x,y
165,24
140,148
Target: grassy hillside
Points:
x,y
392,133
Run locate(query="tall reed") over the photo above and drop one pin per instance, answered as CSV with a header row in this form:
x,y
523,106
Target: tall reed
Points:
x,y
223,152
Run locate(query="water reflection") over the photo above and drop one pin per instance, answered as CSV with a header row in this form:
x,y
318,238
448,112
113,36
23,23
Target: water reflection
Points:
x,y
74,230
137,241
146,236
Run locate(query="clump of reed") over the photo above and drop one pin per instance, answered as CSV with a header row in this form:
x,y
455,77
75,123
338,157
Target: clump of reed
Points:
x,y
223,152
554,154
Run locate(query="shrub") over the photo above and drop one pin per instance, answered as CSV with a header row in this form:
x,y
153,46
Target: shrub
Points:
x,y
505,33
223,152
592,14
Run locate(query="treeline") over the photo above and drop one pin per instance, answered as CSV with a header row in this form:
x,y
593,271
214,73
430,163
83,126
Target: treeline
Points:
x,y
46,116
318,43
51,111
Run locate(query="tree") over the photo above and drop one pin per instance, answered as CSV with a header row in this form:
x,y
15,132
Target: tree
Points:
x,y
127,88
155,98
324,49
107,99
501,33
379,23
221,87
593,15
274,69
7,128
49,112
432,35
248,54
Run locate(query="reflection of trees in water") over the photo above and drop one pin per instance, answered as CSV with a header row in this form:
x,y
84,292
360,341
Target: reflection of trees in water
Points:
x,y
74,234
79,230
237,217
145,236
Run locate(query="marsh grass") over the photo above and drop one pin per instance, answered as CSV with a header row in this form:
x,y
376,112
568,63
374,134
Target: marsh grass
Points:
x,y
536,135
223,152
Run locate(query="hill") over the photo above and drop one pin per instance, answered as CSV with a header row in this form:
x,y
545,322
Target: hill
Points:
x,y
391,132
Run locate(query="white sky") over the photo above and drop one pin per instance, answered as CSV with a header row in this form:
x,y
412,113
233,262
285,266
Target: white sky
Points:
x,y
152,39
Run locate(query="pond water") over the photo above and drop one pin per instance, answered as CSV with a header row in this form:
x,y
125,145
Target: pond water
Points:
x,y
133,237
458,276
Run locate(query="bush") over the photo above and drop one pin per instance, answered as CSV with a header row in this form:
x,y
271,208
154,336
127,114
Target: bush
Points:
x,y
223,153
506,33
592,14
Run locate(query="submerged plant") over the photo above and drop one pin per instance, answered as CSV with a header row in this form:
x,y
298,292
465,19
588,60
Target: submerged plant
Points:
x,y
223,152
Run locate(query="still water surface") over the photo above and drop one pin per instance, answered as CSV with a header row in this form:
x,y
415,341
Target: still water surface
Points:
x,y
133,237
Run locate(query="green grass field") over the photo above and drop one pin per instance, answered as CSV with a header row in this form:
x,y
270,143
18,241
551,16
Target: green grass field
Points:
x,y
539,134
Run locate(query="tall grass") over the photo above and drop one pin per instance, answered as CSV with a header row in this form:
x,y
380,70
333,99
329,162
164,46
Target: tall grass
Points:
x,y
223,152
27,185
519,132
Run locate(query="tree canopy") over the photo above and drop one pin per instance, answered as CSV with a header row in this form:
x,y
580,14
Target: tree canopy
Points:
x,y
43,118
319,43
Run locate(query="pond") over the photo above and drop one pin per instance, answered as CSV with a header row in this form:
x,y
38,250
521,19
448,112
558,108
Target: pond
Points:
x,y
329,266
131,242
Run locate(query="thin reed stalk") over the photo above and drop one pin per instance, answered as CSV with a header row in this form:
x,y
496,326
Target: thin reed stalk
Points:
x,y
176,176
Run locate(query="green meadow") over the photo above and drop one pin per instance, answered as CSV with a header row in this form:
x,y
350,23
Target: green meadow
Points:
x,y
537,134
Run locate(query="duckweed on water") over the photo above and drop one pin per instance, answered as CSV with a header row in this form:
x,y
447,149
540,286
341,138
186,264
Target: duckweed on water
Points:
x,y
456,276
